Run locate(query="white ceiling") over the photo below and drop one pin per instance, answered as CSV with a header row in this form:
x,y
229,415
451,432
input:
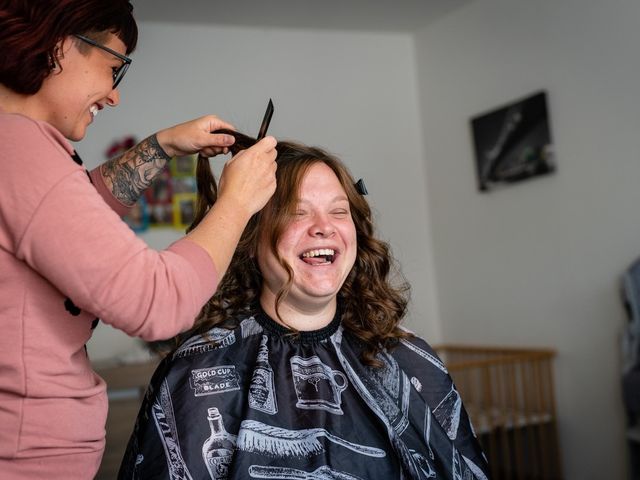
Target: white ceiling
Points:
x,y
364,15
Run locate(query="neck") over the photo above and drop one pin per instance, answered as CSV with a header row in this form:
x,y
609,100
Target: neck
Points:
x,y
299,317
12,102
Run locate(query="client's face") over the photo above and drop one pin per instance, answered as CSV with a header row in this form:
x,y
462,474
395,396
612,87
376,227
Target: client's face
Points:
x,y
319,244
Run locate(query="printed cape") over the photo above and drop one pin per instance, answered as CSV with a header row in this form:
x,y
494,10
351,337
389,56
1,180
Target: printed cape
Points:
x,y
258,402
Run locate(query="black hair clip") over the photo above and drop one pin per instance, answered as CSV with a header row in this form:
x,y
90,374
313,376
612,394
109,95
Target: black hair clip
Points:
x,y
360,187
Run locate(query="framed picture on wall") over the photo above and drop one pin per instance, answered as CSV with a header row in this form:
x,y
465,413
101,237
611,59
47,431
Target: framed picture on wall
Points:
x,y
184,207
513,142
138,216
184,166
159,200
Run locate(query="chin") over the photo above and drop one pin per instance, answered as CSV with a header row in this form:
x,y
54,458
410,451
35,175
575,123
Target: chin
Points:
x,y
76,136
321,294
80,135
78,131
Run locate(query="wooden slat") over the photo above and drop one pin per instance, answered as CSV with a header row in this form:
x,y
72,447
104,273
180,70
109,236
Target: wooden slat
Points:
x,y
510,391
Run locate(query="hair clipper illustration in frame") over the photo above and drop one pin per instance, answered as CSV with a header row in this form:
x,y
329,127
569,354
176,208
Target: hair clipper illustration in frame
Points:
x,y
513,143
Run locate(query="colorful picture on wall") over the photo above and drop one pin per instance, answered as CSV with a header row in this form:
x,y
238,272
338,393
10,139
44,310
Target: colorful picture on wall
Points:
x,y
184,166
170,200
159,200
138,216
513,143
184,208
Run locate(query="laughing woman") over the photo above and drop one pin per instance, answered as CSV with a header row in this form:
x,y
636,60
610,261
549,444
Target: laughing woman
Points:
x,y
297,368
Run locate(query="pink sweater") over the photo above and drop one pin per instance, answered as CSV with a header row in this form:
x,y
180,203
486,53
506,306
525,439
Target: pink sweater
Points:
x,y
60,237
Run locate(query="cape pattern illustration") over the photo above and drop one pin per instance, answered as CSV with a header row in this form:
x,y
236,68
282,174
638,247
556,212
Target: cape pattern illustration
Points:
x,y
258,402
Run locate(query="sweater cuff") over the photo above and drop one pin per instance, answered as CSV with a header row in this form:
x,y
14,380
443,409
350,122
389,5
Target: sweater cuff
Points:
x,y
201,263
98,182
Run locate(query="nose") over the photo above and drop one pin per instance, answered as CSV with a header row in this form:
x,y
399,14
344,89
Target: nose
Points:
x,y
322,227
113,98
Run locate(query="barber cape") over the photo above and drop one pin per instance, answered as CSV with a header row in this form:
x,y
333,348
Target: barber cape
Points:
x,y
257,401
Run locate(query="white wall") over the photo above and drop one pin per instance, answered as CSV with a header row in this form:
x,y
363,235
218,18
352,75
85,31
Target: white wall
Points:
x,y
352,93
539,263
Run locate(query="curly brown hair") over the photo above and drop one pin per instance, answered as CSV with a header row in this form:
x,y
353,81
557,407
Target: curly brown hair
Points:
x,y
371,305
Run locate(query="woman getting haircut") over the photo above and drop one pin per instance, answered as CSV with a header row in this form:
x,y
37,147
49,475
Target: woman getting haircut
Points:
x,y
297,368
66,256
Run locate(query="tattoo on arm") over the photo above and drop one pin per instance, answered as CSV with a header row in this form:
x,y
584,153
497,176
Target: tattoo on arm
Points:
x,y
129,174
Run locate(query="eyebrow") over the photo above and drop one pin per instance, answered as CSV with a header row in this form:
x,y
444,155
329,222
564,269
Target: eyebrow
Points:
x,y
338,198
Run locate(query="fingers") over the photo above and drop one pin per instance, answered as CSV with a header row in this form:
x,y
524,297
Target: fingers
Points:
x,y
264,150
249,178
210,143
213,151
266,144
195,137
216,143
215,123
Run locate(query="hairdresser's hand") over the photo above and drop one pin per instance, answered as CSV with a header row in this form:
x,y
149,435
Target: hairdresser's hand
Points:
x,y
249,178
195,136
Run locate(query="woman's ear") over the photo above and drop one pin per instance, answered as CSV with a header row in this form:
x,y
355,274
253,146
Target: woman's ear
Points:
x,y
55,57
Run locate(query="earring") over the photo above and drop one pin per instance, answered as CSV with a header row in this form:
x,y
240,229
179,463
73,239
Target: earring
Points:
x,y
54,66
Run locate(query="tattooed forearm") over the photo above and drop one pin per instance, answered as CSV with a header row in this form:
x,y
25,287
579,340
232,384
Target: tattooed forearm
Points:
x,y
129,174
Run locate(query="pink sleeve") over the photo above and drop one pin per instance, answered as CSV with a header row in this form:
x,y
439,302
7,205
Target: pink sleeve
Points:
x,y
83,248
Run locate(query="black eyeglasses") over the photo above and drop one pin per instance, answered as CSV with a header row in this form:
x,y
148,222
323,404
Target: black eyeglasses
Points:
x,y
118,73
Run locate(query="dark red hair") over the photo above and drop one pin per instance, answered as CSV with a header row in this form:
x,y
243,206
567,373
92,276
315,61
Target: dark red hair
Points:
x,y
30,31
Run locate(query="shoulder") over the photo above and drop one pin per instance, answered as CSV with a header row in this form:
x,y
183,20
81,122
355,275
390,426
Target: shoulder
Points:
x,y
424,369
26,134
415,341
34,159
206,360
219,338
13,122
33,152
416,352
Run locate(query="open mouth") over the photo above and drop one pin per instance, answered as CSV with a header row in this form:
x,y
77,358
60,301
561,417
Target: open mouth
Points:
x,y
322,256
93,110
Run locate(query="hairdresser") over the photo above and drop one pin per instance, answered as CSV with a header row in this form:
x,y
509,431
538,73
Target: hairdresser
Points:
x,y
66,257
